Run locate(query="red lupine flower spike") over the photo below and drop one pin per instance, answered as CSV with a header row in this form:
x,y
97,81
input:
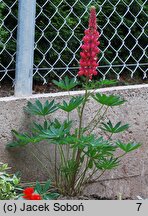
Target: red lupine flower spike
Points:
x,y
88,61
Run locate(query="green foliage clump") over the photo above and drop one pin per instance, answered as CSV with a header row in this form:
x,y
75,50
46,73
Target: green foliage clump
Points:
x,y
8,184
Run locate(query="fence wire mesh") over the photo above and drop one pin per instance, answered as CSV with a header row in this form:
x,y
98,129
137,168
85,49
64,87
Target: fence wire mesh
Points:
x,y
60,26
8,29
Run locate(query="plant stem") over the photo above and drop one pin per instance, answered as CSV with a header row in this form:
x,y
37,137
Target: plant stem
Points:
x,y
68,146
64,164
41,153
55,164
89,124
79,135
82,176
121,155
100,175
63,160
86,181
42,164
99,120
109,138
81,113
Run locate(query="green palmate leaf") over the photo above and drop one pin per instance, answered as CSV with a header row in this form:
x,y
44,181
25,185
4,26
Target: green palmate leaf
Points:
x,y
48,126
66,125
76,142
38,128
23,139
72,104
128,147
70,139
51,196
114,129
100,150
106,82
107,164
43,190
91,146
42,110
46,186
52,133
98,142
15,144
56,130
95,84
38,188
110,100
66,83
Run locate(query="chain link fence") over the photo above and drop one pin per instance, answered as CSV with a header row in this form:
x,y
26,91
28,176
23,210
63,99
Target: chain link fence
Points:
x,y
8,31
59,29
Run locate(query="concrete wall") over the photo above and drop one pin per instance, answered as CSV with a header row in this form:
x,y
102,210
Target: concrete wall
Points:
x,y
130,179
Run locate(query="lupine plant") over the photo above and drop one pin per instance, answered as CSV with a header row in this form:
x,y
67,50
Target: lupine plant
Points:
x,y
80,155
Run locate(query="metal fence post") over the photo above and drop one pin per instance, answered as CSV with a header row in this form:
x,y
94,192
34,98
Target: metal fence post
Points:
x,y
25,47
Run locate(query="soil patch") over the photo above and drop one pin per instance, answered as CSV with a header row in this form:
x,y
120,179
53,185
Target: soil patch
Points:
x,y
7,88
91,197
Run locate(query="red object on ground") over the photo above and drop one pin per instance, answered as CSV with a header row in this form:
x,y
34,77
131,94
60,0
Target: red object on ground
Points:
x,y
30,195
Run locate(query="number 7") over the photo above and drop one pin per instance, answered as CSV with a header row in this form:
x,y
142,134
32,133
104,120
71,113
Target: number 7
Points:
x,y
139,206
